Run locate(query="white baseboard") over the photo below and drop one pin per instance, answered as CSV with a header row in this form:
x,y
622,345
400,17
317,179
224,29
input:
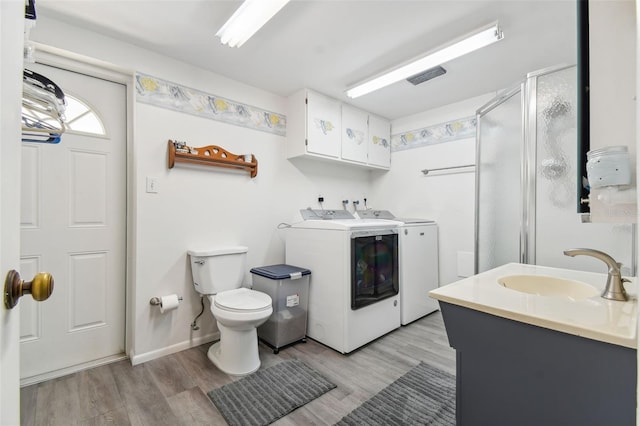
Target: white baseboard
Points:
x,y
168,350
135,359
27,381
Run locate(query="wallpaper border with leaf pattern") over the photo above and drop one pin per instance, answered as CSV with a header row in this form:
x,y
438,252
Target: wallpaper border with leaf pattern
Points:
x,y
165,94
444,132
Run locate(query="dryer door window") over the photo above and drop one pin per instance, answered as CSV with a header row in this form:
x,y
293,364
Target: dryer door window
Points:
x,y
374,268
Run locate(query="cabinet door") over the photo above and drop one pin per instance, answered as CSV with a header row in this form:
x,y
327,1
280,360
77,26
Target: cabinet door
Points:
x,y
323,125
354,134
379,141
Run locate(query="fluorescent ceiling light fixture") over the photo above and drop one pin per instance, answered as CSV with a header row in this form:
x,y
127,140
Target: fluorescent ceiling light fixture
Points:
x,y
249,18
459,48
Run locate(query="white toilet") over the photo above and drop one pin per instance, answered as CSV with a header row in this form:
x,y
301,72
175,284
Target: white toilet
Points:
x,y
218,274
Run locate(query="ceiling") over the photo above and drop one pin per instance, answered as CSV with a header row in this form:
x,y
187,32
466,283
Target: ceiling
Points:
x,y
329,45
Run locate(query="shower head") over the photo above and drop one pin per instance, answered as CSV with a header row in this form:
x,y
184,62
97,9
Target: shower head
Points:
x,y
558,108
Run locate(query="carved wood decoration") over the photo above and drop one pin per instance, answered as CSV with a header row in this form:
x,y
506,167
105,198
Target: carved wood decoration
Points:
x,y
211,155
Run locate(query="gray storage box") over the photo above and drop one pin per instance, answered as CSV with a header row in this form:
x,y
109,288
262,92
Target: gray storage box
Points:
x,y
288,287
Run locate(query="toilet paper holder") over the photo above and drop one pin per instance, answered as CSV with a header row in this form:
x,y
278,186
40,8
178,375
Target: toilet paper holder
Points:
x,y
157,301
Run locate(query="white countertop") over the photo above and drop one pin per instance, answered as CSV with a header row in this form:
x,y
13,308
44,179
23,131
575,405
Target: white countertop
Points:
x,y
593,318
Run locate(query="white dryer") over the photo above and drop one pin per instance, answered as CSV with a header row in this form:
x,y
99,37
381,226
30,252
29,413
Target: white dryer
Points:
x,y
418,252
354,281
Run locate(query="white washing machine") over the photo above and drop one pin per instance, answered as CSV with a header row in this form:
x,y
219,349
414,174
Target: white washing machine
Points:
x,y
418,250
354,282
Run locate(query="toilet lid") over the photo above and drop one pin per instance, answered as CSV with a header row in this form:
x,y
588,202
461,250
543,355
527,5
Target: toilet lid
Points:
x,y
242,299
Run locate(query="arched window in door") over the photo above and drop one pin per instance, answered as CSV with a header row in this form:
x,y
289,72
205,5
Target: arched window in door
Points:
x,y
82,119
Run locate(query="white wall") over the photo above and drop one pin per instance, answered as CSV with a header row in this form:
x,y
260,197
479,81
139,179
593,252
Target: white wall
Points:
x,y
612,93
612,85
447,198
200,206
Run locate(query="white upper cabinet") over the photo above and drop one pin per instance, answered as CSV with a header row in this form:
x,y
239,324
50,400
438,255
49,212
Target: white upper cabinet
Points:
x,y
324,128
379,141
354,134
313,125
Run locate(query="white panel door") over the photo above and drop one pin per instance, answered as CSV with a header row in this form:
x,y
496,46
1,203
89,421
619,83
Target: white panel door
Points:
x,y
73,216
11,36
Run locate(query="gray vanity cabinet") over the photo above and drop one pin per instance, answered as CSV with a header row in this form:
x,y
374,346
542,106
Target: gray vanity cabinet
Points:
x,y
512,373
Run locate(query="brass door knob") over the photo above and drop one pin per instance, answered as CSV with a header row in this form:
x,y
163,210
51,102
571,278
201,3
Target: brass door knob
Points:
x,y
40,287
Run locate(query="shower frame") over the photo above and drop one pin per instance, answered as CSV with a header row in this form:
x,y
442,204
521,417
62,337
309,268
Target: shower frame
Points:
x,y
528,91
504,96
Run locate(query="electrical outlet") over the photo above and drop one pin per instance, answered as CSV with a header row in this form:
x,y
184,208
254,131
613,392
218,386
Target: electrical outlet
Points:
x,y
152,185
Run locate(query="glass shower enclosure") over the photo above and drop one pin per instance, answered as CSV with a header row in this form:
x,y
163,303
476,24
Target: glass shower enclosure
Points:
x,y
526,168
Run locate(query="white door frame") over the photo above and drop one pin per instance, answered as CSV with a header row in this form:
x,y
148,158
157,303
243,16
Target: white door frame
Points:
x,y
53,56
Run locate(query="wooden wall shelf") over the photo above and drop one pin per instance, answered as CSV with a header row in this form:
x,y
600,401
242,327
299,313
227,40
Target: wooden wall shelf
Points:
x,y
211,155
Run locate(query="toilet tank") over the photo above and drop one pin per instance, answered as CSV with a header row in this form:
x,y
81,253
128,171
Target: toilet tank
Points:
x,y
218,269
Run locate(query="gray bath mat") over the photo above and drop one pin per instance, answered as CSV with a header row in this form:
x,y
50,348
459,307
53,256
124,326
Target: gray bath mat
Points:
x,y
267,395
423,396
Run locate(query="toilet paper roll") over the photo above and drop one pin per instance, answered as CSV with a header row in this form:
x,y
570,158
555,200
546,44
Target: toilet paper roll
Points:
x,y
169,303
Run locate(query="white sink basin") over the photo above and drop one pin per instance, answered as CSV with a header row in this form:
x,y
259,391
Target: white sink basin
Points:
x,y
559,299
548,286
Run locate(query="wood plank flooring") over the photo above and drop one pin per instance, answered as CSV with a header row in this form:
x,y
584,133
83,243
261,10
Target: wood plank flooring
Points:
x,y
173,390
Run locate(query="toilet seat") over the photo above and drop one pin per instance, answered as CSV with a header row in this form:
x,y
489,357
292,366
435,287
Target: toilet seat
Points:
x,y
242,300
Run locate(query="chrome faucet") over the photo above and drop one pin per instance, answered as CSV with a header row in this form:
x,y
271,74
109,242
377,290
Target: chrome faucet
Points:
x,y
614,290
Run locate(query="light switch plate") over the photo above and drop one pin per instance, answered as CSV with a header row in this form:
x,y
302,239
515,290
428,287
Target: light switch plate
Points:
x,y
152,185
